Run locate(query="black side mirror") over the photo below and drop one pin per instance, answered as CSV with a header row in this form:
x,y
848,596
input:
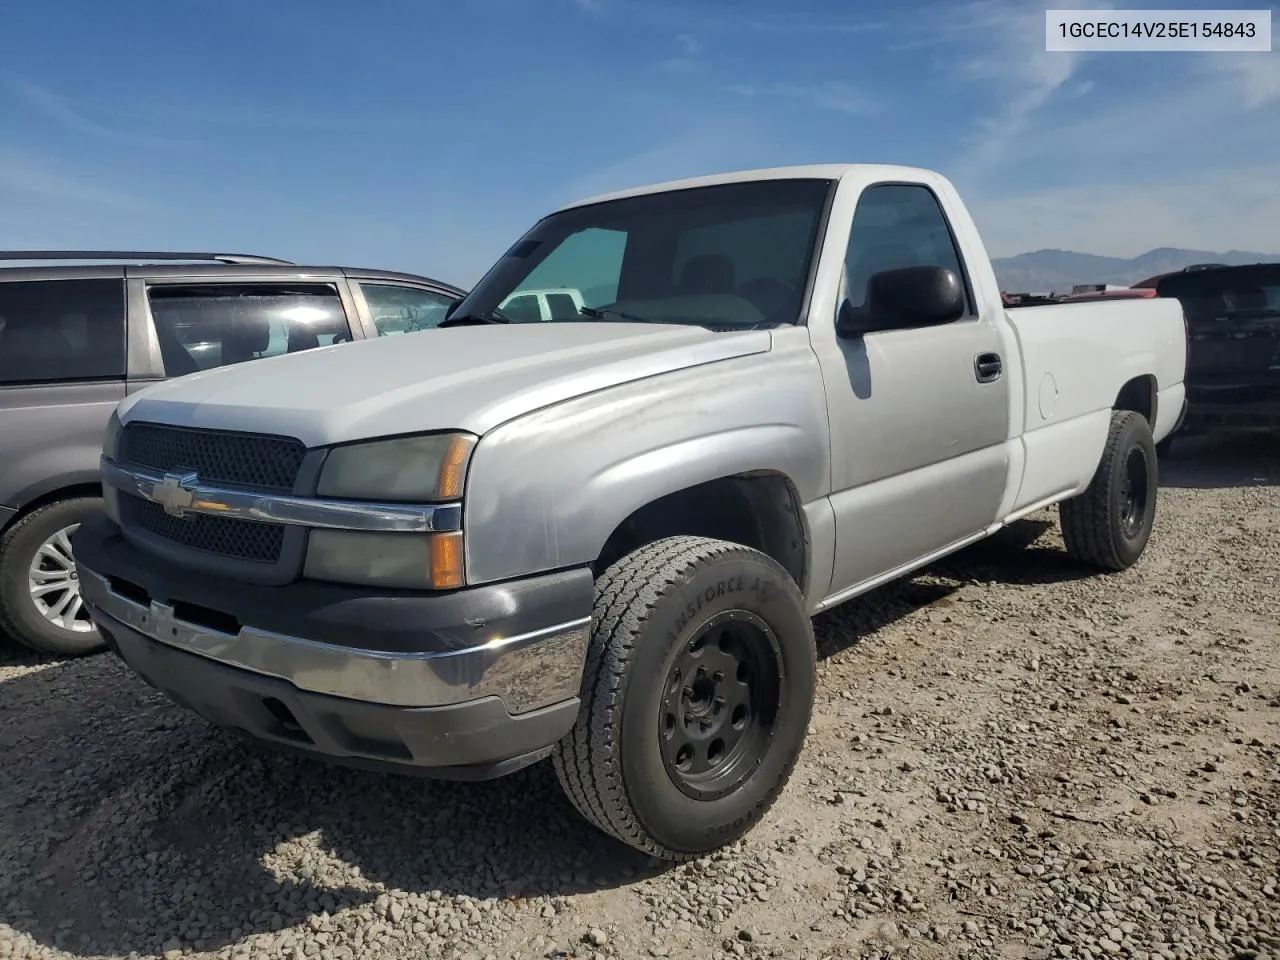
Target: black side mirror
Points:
x,y
903,298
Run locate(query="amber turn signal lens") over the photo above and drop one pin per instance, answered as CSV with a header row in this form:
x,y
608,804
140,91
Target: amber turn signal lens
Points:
x,y
453,467
446,561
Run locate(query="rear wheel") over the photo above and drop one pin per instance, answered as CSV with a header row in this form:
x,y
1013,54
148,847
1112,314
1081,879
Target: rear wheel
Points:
x,y
696,700
1109,524
40,604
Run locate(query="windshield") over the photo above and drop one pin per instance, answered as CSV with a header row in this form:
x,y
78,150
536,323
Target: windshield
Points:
x,y
728,257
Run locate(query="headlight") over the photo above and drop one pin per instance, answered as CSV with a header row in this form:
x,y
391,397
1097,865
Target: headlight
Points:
x,y
111,439
406,469
431,561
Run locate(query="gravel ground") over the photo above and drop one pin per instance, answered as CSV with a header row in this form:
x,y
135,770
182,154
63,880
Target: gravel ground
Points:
x,y
1009,758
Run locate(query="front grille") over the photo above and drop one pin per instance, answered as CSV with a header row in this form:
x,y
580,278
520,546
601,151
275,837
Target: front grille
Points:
x,y
218,457
234,539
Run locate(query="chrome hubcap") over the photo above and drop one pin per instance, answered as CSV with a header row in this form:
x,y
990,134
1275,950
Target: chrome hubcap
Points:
x,y
54,585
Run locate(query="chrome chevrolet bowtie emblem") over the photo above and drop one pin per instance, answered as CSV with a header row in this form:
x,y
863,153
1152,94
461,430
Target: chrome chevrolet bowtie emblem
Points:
x,y
176,492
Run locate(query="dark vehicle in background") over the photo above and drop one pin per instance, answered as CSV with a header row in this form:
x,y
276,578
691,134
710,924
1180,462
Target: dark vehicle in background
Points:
x,y
1233,359
77,339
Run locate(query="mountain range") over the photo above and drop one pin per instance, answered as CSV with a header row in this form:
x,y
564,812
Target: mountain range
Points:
x,y
1058,270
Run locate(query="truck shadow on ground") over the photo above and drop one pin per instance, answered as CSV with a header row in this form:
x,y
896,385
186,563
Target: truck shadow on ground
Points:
x,y
1024,553
128,823
1222,460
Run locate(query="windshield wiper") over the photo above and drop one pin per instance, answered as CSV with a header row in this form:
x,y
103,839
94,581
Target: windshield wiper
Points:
x,y
468,319
603,313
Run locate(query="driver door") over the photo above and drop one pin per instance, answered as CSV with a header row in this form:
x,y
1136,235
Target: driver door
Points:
x,y
917,431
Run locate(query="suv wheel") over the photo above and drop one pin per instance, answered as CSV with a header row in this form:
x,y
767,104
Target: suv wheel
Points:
x,y
696,699
40,603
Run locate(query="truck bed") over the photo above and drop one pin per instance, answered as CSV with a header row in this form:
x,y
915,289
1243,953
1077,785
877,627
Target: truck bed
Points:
x,y
1076,360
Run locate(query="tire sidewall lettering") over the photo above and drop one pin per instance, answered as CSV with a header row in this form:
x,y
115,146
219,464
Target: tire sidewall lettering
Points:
x,y
761,589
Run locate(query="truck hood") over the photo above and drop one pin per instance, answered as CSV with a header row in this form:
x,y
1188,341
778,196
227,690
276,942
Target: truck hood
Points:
x,y
458,378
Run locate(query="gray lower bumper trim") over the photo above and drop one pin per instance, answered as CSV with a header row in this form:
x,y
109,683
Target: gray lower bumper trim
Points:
x,y
526,671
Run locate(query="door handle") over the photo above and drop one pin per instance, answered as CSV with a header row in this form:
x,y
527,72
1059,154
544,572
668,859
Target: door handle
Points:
x,y
987,367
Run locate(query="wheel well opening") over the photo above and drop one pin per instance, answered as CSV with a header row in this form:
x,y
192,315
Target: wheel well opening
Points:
x,y
1139,395
53,496
757,510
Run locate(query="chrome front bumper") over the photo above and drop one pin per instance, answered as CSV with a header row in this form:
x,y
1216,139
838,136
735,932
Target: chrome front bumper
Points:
x,y
525,671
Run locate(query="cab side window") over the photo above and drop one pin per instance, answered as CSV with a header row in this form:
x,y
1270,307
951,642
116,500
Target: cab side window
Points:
x,y
898,225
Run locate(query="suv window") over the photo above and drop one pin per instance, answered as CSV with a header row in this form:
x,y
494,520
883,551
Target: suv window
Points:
x,y
213,325
399,309
61,330
897,225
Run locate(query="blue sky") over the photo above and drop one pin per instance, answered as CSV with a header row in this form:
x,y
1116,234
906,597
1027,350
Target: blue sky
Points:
x,y
426,135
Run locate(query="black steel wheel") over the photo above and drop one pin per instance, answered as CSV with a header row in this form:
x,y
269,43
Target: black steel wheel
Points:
x,y
696,697
1108,525
1133,492
721,702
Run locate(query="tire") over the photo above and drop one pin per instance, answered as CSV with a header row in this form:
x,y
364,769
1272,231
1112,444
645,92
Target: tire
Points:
x,y
20,616
1109,524
620,764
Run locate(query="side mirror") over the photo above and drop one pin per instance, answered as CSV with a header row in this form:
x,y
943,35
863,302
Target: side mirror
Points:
x,y
903,298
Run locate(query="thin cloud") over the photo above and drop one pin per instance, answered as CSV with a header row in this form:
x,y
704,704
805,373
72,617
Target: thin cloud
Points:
x,y
720,142
681,65
1254,78
689,44
64,113
785,25
1005,44
245,116
24,175
834,95
1148,131
669,161
695,18
686,61
1230,209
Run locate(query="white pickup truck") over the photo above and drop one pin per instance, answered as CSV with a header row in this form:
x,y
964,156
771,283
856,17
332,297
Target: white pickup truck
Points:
x,y
601,538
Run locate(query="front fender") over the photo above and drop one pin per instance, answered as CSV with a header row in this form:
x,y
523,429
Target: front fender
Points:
x,y
546,490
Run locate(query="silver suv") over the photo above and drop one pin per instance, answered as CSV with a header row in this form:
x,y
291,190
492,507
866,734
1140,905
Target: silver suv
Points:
x,y
77,339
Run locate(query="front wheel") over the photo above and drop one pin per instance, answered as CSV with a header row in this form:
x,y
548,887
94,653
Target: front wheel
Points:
x,y
1109,524
697,696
